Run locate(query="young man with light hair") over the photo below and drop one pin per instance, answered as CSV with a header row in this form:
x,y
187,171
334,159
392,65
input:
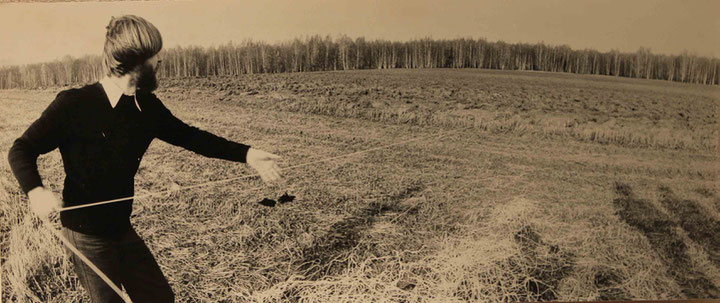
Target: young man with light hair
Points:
x,y
103,130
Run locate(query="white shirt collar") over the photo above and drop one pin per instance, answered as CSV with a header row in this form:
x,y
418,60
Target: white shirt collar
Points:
x,y
114,92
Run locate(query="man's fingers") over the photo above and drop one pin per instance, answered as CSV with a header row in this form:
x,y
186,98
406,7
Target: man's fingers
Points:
x,y
275,175
275,170
264,177
267,169
59,203
270,176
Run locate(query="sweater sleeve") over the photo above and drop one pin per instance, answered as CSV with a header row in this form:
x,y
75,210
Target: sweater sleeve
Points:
x,y
43,136
176,132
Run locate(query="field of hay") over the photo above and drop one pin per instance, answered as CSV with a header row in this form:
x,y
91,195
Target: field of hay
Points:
x,y
520,186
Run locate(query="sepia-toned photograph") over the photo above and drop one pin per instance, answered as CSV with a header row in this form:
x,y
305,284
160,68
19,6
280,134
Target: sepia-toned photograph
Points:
x,y
359,151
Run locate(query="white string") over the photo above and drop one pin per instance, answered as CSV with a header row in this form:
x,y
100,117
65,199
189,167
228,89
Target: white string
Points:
x,y
253,175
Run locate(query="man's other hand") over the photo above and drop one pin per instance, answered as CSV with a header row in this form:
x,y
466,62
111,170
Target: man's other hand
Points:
x,y
43,201
264,163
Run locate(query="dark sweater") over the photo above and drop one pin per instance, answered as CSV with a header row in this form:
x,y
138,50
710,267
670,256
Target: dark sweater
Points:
x,y
101,148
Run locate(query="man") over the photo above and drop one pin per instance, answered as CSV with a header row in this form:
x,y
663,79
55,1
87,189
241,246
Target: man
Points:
x,y
102,130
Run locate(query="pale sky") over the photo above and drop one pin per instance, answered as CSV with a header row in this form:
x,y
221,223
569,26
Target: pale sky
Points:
x,y
36,32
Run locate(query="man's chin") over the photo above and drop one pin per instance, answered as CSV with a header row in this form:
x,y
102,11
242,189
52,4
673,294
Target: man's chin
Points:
x,y
147,88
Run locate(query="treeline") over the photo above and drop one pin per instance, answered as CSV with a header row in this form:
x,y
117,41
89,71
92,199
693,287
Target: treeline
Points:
x,y
324,53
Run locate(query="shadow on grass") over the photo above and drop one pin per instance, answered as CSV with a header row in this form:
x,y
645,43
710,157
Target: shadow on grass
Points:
x,y
609,286
548,264
532,273
700,226
659,229
330,254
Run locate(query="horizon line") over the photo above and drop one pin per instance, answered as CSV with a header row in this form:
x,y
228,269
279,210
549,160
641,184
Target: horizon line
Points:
x,y
335,37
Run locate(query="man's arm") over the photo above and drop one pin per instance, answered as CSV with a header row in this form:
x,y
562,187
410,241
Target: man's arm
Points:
x,y
176,132
43,136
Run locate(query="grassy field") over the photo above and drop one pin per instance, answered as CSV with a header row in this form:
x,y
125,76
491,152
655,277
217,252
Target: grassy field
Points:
x,y
543,187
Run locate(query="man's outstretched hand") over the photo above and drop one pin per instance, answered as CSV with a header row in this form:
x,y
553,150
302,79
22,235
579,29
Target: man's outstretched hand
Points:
x,y
43,201
264,163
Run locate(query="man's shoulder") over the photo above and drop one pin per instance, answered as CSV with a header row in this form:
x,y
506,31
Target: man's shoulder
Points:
x,y
71,99
77,94
150,101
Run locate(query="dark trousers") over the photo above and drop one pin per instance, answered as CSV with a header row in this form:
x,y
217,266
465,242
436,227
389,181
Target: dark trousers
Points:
x,y
126,260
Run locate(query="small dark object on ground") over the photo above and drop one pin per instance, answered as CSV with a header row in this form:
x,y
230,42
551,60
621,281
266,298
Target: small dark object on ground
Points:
x,y
267,202
283,199
286,198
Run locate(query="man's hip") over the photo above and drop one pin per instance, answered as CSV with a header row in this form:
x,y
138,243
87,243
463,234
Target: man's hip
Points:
x,y
126,260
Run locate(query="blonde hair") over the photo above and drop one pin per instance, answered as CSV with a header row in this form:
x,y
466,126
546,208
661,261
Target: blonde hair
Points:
x,y
130,40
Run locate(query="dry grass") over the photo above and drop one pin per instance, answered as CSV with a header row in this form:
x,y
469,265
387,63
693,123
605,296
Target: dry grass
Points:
x,y
523,206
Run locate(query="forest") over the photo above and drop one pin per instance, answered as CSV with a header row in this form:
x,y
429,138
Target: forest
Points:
x,y
317,53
